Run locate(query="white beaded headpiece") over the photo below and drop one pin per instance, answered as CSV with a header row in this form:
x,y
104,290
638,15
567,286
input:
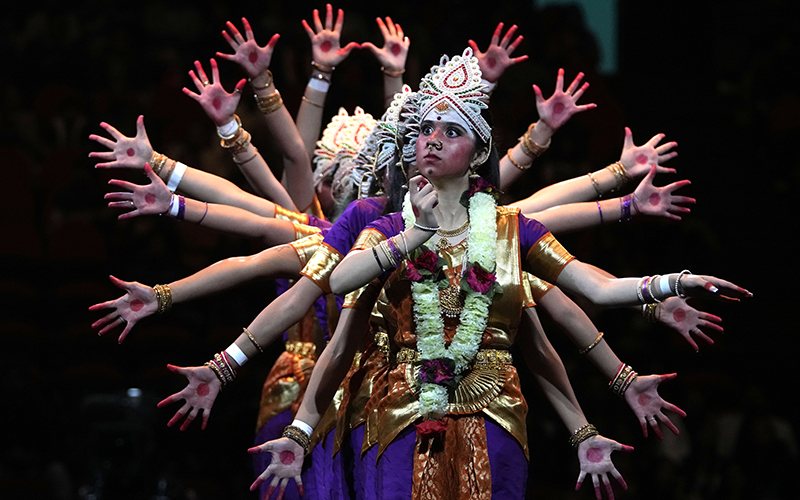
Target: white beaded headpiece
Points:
x,y
343,136
455,85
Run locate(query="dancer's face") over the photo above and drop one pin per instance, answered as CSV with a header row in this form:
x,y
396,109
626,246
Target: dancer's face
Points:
x,y
444,149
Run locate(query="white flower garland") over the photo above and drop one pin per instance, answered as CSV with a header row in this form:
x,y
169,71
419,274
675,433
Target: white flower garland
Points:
x,y
481,250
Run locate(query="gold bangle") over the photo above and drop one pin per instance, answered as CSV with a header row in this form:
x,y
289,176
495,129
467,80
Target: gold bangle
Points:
x,y
270,103
269,81
592,345
253,340
297,435
214,368
306,99
157,162
596,185
516,163
242,162
529,146
239,143
582,435
650,312
323,67
164,297
620,174
393,74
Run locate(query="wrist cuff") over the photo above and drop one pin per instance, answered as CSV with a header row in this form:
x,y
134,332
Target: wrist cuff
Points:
x,y
237,354
303,426
176,176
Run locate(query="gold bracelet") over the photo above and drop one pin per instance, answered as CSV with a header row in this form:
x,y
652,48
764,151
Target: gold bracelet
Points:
x,y
650,312
242,162
270,103
516,163
596,185
620,174
297,435
592,345
164,297
253,340
237,144
214,368
582,435
269,80
529,146
323,67
393,74
157,162
306,99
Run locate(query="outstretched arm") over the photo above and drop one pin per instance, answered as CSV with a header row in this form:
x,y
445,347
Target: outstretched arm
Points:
x,y
392,57
594,453
155,199
255,61
134,152
220,107
646,201
327,53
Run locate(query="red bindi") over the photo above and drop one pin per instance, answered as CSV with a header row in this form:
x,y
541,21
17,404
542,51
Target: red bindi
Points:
x,y
491,62
558,108
253,56
203,390
679,315
136,305
644,400
287,457
655,198
216,103
326,46
130,152
395,49
641,159
594,455
150,198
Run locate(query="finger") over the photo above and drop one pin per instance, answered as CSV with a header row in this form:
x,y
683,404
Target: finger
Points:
x,y
179,415
674,186
256,484
201,73
141,132
665,170
643,424
674,409
596,482
390,27
372,48
299,481
664,148
105,319
189,419
104,142
519,59
123,184
710,317
538,93
581,477
282,488
667,422
121,204
199,85
126,331
124,285
102,305
514,45
206,416
573,86
508,36
560,80
607,484
656,429
578,93
111,130
169,400
149,173
619,478
248,31
214,71
667,157
235,32
272,485
472,45
688,337
230,41
128,215
118,196
628,143
347,48
655,140
496,35
621,447
651,174
307,28
329,17
179,370
191,94
400,34
585,107
713,326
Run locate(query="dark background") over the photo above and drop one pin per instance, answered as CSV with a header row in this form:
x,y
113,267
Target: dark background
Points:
x,y
715,79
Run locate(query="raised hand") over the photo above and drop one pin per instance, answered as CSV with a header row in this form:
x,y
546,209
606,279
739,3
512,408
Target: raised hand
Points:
x,y
218,104
559,107
138,303
643,398
151,199
394,52
253,59
497,58
677,314
659,201
199,395
637,159
594,455
287,463
711,287
423,200
325,45
126,152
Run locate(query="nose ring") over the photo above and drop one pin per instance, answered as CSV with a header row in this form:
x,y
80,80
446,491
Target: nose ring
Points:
x,y
434,145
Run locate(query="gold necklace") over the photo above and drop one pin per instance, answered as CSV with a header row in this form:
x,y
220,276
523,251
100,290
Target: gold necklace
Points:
x,y
443,234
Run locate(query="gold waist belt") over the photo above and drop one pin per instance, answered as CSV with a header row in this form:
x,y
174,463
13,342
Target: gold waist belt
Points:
x,y
382,341
302,349
484,358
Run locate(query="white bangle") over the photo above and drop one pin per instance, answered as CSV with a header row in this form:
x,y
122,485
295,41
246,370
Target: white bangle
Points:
x,y
228,130
176,176
237,354
303,427
174,206
488,87
319,84
663,285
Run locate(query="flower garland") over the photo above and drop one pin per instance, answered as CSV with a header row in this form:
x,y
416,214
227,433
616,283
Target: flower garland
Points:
x,y
441,366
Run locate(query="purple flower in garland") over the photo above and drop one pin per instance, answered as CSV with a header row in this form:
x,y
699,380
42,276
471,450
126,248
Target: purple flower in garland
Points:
x,y
440,371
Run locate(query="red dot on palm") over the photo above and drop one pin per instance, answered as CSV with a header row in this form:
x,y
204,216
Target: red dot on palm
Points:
x,y
395,48
203,390
136,305
491,62
679,315
655,198
150,198
130,152
216,103
325,46
253,56
641,159
558,108
594,455
287,457
644,400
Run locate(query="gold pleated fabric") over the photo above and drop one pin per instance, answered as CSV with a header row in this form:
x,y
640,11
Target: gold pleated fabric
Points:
x,y
307,246
547,258
290,215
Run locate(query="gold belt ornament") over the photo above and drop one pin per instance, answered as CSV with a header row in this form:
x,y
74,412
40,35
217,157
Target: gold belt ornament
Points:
x,y
382,341
302,349
484,358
